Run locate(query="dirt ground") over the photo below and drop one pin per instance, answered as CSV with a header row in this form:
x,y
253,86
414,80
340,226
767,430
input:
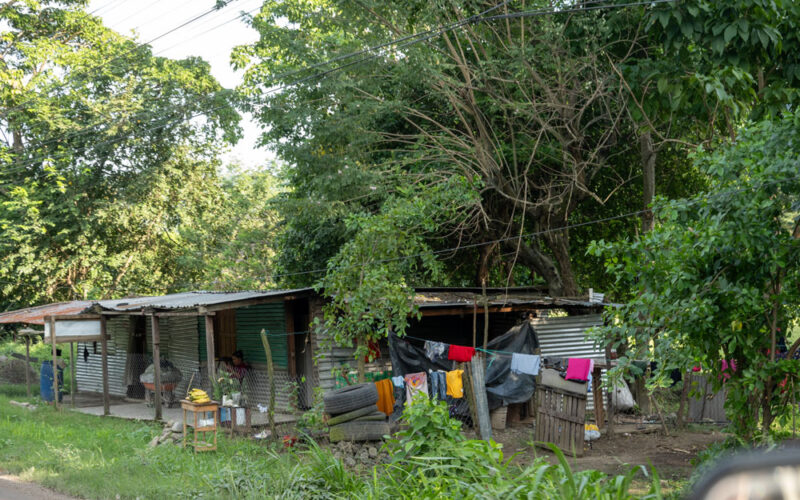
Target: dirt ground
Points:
x,y
13,488
631,445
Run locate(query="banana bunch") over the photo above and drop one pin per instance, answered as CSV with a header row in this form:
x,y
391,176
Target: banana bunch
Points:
x,y
198,396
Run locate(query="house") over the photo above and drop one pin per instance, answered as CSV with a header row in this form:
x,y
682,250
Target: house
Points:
x,y
194,327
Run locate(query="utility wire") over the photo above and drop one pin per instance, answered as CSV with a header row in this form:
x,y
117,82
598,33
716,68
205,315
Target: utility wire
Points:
x,y
323,74
134,48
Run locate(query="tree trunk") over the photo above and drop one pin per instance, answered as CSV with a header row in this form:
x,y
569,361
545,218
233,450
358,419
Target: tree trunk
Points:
x,y
482,275
533,258
558,242
648,156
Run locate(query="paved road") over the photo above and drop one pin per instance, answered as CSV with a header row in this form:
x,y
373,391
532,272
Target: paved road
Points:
x,y
13,488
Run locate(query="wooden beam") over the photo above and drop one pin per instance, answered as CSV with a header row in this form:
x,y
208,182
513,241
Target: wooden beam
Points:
x,y
104,364
74,317
289,316
157,365
52,323
481,402
160,314
210,360
458,311
28,365
72,374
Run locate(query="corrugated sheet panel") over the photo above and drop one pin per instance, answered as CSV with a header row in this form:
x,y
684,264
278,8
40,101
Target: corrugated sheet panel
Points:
x,y
89,374
182,348
186,300
249,323
566,337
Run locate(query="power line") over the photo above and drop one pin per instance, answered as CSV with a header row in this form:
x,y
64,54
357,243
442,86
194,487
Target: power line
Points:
x,y
134,48
412,39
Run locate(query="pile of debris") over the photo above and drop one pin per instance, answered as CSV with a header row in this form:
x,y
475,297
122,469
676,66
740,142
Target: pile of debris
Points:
x,y
172,434
353,414
12,371
353,454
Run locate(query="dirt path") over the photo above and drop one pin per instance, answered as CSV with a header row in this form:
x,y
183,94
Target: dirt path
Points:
x,y
671,455
13,488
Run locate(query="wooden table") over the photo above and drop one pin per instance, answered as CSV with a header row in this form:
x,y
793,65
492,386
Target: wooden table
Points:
x,y
206,411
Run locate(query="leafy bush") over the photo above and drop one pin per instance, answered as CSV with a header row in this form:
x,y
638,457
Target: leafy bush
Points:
x,y
427,427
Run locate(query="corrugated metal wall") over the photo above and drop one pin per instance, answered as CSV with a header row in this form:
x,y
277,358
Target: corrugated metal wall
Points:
x,y
565,336
181,347
249,323
89,375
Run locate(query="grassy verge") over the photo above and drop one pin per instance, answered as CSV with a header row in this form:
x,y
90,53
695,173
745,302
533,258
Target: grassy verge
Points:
x,y
96,457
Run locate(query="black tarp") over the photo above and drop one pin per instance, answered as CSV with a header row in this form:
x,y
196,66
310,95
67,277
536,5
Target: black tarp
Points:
x,y
502,386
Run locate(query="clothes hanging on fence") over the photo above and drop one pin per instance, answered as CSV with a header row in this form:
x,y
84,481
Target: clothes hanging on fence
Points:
x,y
398,381
435,350
460,353
385,396
438,384
416,383
455,384
525,363
579,369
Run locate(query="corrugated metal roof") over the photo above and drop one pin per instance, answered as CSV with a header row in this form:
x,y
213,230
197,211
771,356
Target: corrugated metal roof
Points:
x,y
187,300
429,298
35,315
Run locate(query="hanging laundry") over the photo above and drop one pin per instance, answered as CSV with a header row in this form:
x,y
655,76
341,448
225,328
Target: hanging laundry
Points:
x,y
438,384
398,381
435,350
455,384
460,353
385,396
527,364
416,383
579,369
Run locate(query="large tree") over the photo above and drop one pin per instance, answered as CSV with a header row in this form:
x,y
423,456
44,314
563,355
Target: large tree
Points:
x,y
106,150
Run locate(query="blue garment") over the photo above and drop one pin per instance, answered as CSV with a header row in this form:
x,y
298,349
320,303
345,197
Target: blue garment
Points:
x,y
438,385
525,363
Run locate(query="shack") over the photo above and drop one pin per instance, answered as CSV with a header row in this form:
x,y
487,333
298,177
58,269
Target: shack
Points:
x,y
197,332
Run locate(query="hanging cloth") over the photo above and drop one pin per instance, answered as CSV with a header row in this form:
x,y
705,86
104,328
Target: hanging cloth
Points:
x,y
579,369
416,383
435,350
525,363
438,384
398,381
385,396
460,353
455,384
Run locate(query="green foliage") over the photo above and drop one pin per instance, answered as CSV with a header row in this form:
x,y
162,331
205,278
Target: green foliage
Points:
x,y
64,450
719,277
427,427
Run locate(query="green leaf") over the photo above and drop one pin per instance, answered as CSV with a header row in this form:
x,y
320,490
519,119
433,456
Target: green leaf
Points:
x,y
730,32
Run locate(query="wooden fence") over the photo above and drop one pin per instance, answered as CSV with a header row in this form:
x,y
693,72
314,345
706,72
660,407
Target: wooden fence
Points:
x,y
704,404
560,419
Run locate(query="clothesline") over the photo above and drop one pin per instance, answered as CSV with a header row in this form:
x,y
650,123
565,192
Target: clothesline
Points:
x,y
488,351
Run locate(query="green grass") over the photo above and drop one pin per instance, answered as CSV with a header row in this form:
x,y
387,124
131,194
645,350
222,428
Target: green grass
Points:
x,y
96,457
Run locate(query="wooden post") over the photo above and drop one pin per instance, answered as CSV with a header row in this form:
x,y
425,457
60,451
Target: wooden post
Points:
x,y
474,323
104,364
52,323
485,316
271,375
361,366
28,365
157,365
481,403
597,395
72,374
211,367
610,413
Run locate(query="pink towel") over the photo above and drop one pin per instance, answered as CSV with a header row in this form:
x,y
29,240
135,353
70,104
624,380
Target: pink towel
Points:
x,y
579,369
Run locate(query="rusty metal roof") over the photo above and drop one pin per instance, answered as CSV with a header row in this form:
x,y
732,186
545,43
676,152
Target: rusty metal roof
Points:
x,y
35,315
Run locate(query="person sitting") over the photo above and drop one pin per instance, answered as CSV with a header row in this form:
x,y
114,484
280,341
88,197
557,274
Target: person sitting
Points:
x,y
238,367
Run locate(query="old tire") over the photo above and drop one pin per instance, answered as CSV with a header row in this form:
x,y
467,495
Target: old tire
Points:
x,y
350,398
352,415
377,416
358,431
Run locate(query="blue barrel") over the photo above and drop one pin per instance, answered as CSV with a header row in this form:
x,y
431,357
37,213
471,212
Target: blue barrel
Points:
x,y
46,381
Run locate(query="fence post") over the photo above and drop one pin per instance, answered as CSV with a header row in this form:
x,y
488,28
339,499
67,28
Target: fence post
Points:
x,y
481,403
271,374
28,365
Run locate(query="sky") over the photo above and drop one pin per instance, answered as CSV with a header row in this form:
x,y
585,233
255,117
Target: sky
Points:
x,y
211,37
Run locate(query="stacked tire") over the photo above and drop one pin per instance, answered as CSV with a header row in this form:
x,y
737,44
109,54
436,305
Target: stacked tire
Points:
x,y
353,414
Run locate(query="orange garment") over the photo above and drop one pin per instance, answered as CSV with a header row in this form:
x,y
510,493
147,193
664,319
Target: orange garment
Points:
x,y
385,395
